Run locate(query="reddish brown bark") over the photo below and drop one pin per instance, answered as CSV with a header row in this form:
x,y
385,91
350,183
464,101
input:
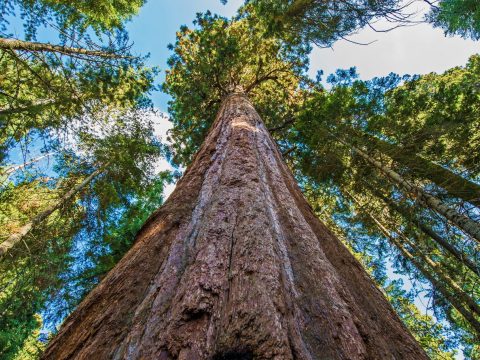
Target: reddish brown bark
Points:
x,y
235,265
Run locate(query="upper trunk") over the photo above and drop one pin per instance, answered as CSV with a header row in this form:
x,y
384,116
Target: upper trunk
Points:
x,y
235,265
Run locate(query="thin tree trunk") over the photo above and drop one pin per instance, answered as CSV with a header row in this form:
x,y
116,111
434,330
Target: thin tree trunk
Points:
x,y
15,238
15,44
443,276
454,300
454,184
12,169
235,265
463,222
427,230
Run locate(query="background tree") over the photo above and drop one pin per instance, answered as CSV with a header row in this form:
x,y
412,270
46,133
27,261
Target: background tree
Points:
x,y
460,17
121,154
374,116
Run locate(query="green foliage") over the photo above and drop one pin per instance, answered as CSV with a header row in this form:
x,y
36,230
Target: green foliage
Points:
x,y
457,17
324,22
119,233
32,347
429,334
100,15
438,116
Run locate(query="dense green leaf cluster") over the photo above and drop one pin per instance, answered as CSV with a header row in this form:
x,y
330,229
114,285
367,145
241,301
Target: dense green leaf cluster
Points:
x,y
100,15
457,17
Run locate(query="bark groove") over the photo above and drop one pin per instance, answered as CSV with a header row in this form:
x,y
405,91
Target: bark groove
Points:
x,y
235,265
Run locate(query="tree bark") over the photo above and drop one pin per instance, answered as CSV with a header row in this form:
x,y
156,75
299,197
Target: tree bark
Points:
x,y
15,238
235,265
463,222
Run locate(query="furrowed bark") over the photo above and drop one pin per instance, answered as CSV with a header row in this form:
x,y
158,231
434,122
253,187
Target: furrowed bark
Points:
x,y
235,265
15,44
463,222
15,238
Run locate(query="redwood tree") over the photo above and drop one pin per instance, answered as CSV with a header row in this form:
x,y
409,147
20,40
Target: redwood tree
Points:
x,y
235,265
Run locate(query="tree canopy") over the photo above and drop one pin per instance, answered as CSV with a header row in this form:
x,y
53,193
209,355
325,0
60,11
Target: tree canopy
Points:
x,y
221,55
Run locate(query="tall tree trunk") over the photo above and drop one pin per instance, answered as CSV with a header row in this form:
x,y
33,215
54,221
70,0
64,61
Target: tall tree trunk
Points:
x,y
15,238
15,168
463,222
15,44
454,184
235,265
438,285
427,230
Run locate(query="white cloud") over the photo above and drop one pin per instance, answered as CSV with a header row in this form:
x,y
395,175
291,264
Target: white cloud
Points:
x,y
161,125
411,50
